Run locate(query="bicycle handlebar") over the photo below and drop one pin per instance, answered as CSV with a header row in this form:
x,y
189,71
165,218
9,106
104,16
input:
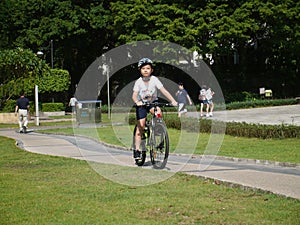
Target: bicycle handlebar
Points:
x,y
157,104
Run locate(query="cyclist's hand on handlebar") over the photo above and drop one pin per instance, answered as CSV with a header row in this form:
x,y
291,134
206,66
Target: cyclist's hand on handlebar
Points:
x,y
139,103
174,103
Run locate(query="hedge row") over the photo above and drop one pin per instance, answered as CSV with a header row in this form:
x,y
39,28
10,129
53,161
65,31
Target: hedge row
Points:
x,y
229,106
10,106
230,128
45,107
53,107
260,103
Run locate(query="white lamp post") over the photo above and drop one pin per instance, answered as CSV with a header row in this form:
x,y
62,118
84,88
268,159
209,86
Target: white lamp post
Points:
x,y
106,72
37,115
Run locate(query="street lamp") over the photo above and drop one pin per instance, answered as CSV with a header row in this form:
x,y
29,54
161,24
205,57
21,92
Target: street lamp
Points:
x,y
106,72
37,115
51,48
40,53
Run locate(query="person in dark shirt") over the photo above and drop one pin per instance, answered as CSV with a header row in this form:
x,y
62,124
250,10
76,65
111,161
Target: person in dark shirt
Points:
x,y
182,97
22,108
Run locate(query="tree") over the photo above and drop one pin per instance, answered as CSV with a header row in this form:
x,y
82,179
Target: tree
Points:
x,y
77,28
22,70
252,42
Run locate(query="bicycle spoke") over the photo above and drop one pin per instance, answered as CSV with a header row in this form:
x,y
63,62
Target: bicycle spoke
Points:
x,y
160,147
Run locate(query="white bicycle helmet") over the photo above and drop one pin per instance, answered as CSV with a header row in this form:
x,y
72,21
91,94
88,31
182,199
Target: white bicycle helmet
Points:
x,y
144,61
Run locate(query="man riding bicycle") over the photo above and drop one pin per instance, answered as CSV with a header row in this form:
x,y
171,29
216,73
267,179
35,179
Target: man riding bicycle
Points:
x,y
145,91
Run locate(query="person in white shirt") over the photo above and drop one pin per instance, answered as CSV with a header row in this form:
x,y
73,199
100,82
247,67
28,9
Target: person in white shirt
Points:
x,y
209,95
145,91
72,103
203,101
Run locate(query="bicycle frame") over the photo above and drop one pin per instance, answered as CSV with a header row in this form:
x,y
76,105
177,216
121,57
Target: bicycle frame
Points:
x,y
156,139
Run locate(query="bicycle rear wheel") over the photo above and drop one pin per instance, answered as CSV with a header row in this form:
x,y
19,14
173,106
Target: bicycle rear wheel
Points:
x,y
159,150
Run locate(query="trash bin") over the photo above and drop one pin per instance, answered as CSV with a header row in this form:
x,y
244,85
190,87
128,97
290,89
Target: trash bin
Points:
x,y
268,93
90,112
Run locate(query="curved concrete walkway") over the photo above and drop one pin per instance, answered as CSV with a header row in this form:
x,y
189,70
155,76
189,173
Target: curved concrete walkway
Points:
x,y
282,179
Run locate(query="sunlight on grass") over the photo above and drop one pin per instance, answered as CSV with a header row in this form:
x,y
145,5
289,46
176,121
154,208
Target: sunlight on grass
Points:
x,y
133,176
41,189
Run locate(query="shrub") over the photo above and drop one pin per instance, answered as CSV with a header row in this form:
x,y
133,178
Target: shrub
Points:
x,y
9,106
52,107
260,103
232,128
262,131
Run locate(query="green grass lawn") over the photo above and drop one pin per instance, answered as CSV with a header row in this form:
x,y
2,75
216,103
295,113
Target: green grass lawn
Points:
x,y
40,189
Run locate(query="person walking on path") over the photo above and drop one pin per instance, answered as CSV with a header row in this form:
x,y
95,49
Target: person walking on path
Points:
x,y
182,97
145,91
209,96
22,108
72,103
203,101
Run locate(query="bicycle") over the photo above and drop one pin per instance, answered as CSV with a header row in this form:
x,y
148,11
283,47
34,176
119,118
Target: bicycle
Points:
x,y
154,139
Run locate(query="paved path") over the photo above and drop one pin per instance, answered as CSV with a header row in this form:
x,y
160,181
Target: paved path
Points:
x,y
266,115
272,177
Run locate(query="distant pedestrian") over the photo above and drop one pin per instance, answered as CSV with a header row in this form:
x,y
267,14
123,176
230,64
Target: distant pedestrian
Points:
x,y
72,103
78,112
203,101
182,98
209,96
22,108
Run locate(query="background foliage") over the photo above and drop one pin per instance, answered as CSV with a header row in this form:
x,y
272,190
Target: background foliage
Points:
x,y
21,69
253,43
232,128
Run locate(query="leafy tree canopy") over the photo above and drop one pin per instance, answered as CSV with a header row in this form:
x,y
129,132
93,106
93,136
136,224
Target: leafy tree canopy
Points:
x,y
253,43
22,70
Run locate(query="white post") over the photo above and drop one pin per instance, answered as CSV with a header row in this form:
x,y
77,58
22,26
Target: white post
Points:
x,y
106,71
108,96
37,116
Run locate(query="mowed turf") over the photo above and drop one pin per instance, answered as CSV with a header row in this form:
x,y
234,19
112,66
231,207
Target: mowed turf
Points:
x,y
40,189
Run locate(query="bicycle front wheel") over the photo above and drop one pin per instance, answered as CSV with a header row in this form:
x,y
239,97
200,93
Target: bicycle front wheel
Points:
x,y
159,150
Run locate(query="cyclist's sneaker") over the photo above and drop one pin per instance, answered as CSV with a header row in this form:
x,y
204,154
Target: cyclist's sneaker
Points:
x,y
24,129
136,154
210,114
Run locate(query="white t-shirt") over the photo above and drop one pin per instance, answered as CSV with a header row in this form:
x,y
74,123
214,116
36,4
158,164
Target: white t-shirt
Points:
x,y
202,95
73,101
147,91
208,94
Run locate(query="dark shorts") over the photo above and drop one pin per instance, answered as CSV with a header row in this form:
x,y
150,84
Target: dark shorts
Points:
x,y
141,112
181,107
204,102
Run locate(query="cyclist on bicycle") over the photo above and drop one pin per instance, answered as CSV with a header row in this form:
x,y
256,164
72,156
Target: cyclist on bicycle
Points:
x,y
145,91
